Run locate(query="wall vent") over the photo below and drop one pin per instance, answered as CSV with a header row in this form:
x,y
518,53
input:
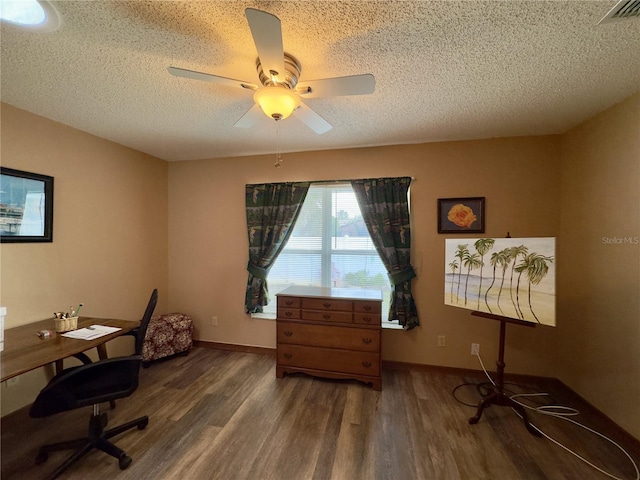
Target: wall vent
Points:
x,y
623,10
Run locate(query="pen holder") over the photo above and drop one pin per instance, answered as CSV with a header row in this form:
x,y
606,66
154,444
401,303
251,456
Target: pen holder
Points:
x,y
66,324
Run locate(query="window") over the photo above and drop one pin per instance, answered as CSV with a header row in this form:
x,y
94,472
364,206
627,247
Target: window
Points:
x,y
329,247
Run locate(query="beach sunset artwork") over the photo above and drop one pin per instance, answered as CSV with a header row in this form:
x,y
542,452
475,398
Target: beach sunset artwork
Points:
x,y
510,277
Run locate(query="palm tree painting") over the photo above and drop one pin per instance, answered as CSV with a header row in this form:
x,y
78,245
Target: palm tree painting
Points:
x,y
471,261
498,259
535,267
483,245
453,266
519,285
461,251
514,253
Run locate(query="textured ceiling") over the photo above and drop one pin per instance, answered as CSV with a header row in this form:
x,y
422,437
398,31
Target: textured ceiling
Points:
x,y
446,70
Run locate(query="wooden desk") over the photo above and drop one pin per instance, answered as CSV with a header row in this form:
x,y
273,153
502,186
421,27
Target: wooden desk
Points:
x,y
25,351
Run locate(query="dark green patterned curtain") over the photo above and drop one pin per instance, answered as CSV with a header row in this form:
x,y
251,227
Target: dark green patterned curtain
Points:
x,y
272,209
384,204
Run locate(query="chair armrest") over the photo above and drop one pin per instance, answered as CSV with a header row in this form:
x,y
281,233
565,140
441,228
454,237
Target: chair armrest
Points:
x,y
83,358
133,333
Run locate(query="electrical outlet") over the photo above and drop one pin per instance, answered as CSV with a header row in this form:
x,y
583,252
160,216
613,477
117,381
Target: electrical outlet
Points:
x,y
442,341
214,321
475,349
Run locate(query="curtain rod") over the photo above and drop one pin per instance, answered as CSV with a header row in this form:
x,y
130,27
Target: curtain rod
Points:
x,y
413,179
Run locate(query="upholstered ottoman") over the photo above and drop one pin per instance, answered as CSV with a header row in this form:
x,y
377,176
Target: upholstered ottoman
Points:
x,y
167,335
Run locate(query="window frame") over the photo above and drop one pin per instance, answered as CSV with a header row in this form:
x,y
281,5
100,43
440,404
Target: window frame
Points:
x,y
327,252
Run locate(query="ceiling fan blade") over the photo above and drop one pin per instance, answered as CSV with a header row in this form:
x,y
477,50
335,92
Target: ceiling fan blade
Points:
x,y
181,72
267,35
311,119
250,118
338,86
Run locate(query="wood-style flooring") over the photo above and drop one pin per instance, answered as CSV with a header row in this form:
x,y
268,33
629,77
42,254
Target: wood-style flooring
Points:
x,y
217,414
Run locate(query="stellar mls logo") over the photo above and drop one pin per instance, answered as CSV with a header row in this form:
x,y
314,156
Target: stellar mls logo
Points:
x,y
621,240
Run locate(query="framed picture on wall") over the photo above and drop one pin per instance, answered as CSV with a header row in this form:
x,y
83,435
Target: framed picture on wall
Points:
x,y
26,207
461,215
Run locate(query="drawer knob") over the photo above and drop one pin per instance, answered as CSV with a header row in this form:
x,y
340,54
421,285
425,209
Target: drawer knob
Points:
x,y
366,341
366,319
288,313
326,316
367,308
288,333
366,364
326,305
289,303
288,356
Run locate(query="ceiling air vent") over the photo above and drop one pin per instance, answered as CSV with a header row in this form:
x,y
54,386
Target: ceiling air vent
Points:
x,y
623,10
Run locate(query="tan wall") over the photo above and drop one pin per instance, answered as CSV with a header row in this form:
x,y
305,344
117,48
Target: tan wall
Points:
x,y
109,246
599,292
121,256
208,240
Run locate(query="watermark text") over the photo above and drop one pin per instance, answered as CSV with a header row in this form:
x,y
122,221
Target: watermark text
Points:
x,y
620,240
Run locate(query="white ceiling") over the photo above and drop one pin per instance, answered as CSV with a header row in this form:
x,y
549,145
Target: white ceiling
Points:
x,y
445,70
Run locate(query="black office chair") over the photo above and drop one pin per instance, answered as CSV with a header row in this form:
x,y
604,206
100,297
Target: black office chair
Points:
x,y
140,331
92,384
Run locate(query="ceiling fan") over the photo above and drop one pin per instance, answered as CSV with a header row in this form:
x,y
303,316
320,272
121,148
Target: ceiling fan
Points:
x,y
280,94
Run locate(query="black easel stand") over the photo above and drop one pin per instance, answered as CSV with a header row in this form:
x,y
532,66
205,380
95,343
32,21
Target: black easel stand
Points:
x,y
497,396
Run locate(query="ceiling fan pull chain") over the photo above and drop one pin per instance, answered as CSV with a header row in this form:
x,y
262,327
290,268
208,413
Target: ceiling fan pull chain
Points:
x,y
278,156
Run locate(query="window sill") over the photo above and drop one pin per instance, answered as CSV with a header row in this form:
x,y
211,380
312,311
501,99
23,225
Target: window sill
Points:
x,y
264,316
391,325
385,324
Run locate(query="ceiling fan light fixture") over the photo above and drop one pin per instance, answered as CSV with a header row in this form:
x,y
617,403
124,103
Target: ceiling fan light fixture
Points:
x,y
34,15
276,102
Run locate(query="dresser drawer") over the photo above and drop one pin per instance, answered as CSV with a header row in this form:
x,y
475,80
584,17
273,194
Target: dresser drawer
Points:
x,y
318,358
327,304
289,313
327,316
363,306
363,339
367,319
288,302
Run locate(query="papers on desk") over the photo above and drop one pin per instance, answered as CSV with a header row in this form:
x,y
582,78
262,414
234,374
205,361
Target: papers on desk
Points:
x,y
91,333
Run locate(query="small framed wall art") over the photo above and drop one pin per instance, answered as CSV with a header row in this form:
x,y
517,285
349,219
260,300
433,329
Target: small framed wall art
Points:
x,y
461,215
26,207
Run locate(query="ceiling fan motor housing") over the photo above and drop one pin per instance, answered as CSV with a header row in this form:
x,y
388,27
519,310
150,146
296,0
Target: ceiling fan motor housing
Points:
x,y
288,78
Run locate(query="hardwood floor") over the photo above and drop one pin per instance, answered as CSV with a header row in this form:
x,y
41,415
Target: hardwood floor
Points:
x,y
217,414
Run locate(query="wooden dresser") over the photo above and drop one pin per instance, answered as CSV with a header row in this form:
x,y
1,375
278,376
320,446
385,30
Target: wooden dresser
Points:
x,y
331,333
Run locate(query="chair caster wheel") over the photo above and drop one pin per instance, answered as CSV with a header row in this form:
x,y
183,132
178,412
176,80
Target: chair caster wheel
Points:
x,y
42,457
124,462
